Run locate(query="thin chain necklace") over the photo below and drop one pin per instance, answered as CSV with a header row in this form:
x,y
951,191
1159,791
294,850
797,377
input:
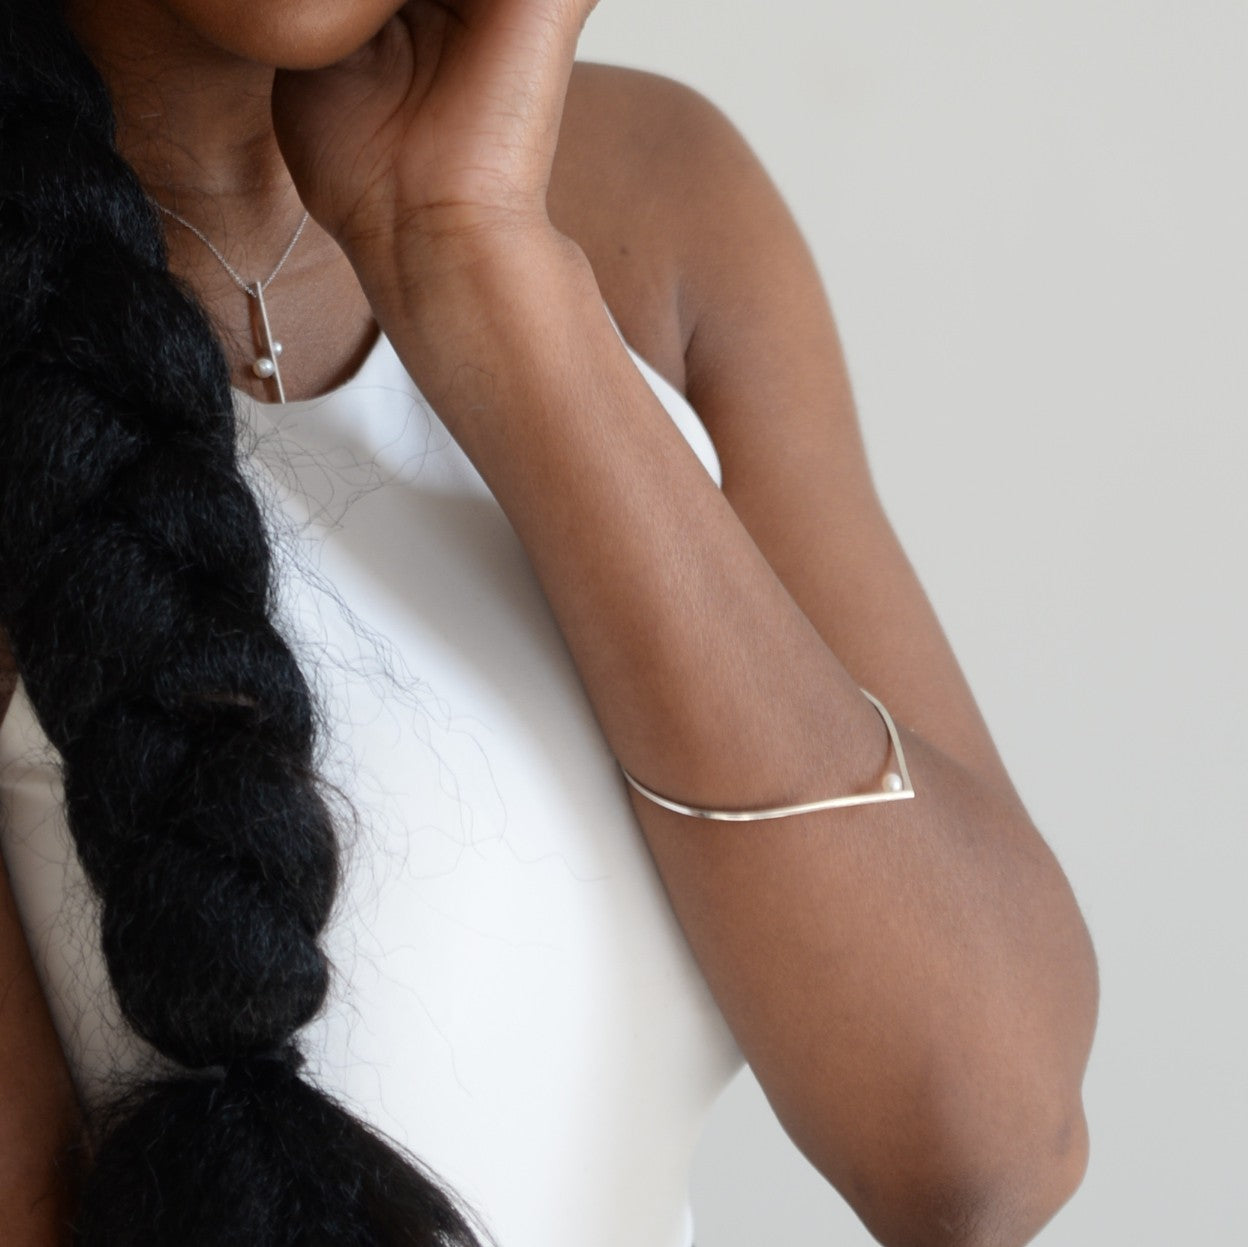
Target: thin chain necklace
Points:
x,y
266,365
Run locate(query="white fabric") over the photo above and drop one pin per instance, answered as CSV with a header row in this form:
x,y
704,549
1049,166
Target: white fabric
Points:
x,y
514,1000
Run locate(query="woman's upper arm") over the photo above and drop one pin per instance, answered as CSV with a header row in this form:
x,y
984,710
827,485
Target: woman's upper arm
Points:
x,y
40,1121
766,373
764,369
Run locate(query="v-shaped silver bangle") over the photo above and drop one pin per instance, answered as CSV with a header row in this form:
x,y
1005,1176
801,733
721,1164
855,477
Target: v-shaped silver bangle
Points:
x,y
895,787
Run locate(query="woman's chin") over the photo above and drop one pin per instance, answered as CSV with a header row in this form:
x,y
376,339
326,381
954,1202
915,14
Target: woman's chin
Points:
x,y
287,34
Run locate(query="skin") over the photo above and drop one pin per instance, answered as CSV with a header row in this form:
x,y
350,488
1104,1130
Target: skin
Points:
x,y
913,984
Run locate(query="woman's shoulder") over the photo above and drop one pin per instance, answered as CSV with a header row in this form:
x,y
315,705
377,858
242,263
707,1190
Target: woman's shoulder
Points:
x,y
630,187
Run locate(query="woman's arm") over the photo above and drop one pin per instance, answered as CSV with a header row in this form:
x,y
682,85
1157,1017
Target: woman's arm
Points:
x,y
963,989
40,1121
912,983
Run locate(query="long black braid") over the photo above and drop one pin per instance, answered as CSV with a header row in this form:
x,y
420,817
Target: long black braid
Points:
x,y
137,590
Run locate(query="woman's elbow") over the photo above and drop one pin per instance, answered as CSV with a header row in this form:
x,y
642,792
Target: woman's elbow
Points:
x,y
1002,1202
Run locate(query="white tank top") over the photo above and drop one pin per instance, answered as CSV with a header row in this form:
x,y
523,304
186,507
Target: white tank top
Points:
x,y
513,999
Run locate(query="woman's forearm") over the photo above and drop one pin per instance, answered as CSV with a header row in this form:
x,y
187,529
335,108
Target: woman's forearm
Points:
x,y
706,677
912,983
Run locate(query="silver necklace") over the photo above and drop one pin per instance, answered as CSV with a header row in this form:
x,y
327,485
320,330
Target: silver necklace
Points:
x,y
266,365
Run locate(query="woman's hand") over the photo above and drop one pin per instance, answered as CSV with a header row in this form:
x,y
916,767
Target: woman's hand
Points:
x,y
443,126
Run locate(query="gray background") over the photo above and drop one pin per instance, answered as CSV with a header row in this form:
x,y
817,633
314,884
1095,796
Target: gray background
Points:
x,y
1030,217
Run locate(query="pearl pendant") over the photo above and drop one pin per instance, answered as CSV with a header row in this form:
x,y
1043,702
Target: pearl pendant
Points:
x,y
266,366
892,782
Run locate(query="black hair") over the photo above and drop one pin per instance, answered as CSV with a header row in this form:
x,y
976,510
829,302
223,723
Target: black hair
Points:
x,y
137,590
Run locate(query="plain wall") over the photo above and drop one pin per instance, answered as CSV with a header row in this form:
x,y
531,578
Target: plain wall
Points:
x,y
1030,218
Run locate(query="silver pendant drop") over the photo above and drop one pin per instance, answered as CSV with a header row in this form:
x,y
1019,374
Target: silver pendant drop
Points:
x,y
266,365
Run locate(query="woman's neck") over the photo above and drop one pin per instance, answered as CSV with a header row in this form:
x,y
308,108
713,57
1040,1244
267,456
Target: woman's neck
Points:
x,y
193,121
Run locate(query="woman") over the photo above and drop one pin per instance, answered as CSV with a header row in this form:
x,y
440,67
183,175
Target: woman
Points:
x,y
491,223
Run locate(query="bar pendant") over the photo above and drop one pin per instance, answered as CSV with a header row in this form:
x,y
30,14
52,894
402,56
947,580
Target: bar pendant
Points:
x,y
274,348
